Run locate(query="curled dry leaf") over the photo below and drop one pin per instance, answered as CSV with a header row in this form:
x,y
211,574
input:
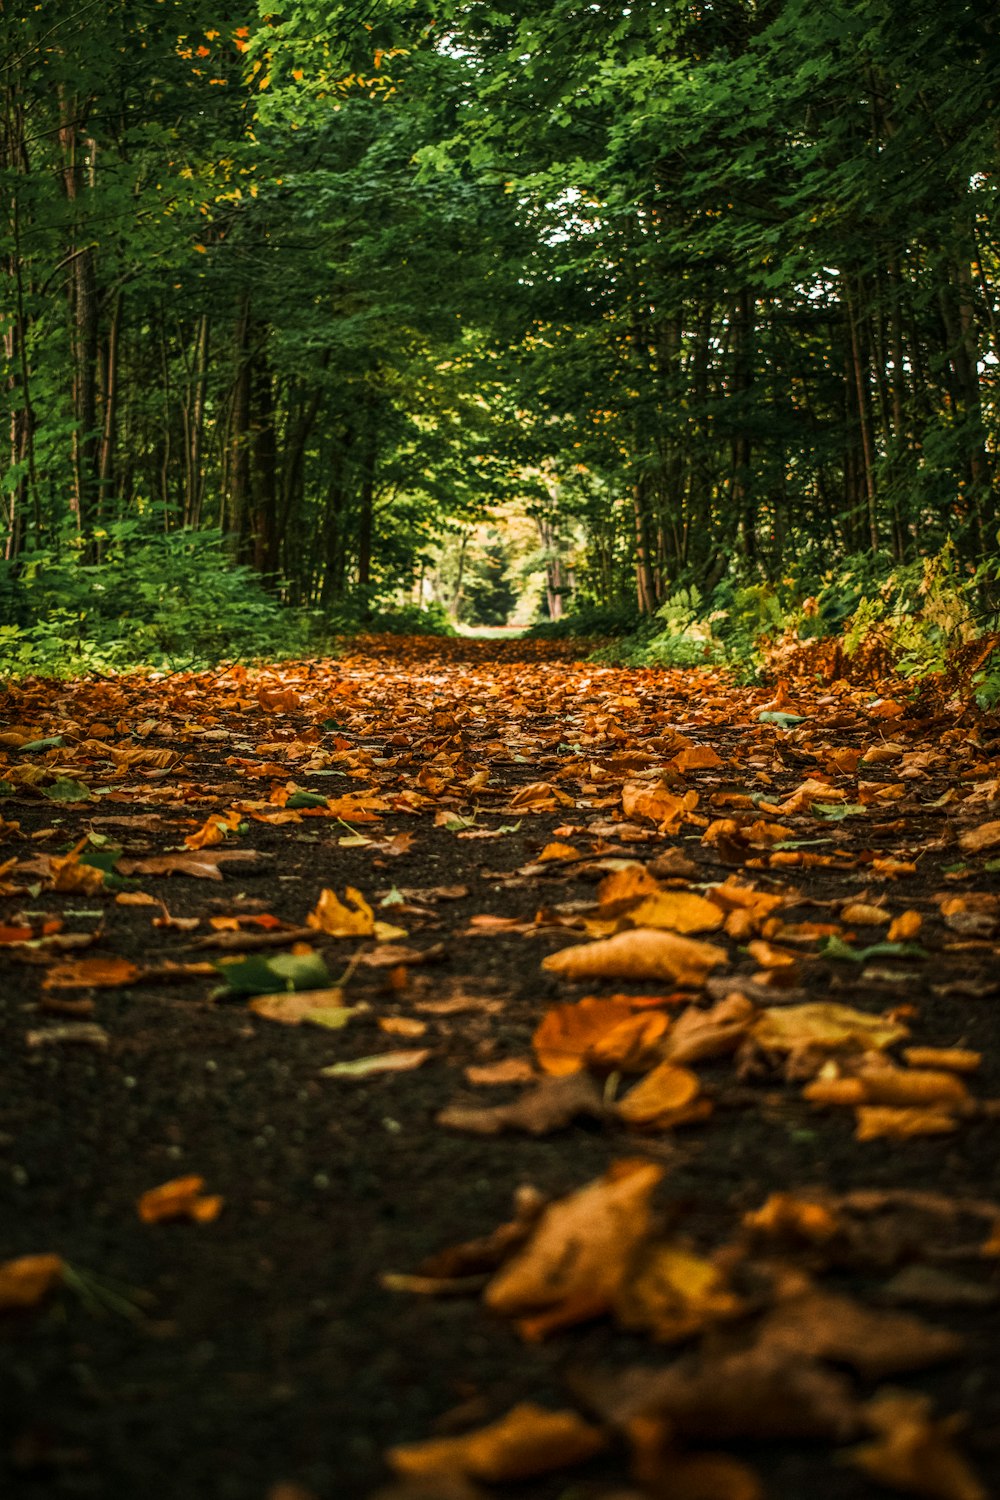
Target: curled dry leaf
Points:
x,y
699,1035
353,918
182,1198
601,1033
643,953
657,804
574,1262
669,1095
528,1440
913,1452
555,1103
28,1280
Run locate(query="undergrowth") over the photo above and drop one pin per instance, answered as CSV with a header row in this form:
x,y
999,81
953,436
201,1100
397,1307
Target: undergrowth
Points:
x,y
126,598
909,620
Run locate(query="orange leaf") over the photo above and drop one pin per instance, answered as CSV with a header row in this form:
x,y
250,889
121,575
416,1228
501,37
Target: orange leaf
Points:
x,y
643,953
181,1198
604,1032
666,1096
572,1265
24,1282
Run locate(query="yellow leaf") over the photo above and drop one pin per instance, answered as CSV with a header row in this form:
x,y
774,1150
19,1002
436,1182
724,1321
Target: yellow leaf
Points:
x,y
333,917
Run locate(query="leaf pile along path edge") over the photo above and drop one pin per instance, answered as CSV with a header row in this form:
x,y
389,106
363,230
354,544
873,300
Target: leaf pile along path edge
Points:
x,y
311,972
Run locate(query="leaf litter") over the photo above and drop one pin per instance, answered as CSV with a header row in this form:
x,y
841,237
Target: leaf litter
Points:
x,y
786,923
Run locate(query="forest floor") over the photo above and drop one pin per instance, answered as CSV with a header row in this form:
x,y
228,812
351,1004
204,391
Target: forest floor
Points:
x,y
783,1276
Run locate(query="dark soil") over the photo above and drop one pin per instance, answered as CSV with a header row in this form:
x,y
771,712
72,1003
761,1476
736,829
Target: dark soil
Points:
x,y
261,1348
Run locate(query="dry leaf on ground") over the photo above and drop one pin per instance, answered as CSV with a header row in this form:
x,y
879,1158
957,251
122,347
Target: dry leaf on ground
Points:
x,y
573,1264
182,1198
643,953
528,1440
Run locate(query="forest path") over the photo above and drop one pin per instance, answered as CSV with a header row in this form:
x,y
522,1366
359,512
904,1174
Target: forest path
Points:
x,y
497,802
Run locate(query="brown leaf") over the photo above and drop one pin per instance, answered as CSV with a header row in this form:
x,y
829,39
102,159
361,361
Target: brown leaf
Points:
x,y
757,1393
913,1452
555,1103
825,1325
573,1264
986,836
525,1442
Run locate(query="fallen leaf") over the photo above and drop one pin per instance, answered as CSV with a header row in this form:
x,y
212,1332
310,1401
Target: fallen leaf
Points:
x,y
317,1007
527,1441
380,1062
539,1111
643,953
674,1293
986,836
510,1070
91,973
182,1198
824,1024
573,1264
669,1095
873,1341
599,1033
876,1122
402,1026
913,1452
28,1280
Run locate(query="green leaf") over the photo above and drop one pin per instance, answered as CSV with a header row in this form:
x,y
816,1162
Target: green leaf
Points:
x,y
836,812
784,721
256,975
307,799
53,742
835,947
66,790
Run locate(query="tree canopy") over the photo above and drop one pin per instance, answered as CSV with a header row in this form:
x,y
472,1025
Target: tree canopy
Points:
x,y
708,287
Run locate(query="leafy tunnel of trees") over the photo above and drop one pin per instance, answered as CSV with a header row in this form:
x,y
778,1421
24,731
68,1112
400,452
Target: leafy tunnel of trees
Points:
x,y
709,285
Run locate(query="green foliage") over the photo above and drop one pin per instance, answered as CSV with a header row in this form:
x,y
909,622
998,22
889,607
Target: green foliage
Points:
x,y
591,621
163,599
